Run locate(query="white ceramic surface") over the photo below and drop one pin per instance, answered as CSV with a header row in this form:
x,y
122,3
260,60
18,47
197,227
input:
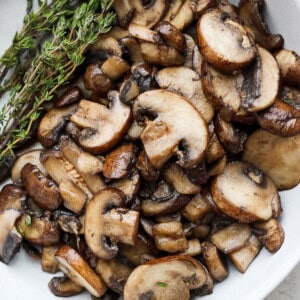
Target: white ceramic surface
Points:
x,y
23,278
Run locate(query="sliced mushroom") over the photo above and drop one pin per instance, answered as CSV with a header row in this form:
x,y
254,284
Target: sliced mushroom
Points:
x,y
291,96
193,249
48,261
134,50
134,132
173,10
184,16
117,32
89,164
53,123
12,197
200,6
189,51
64,287
106,46
125,11
77,269
245,193
166,278
148,172
69,222
224,42
243,257
71,96
273,234
250,12
217,167
215,150
144,33
215,264
166,134
102,127
114,272
289,64
129,90
201,232
114,67
228,8
206,289
188,83
282,166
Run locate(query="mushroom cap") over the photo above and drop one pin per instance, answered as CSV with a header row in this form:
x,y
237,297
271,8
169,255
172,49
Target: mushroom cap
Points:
x,y
176,124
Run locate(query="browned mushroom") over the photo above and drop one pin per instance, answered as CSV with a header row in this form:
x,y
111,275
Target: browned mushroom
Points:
x,y
70,96
215,150
64,287
228,8
148,172
106,46
48,261
193,248
12,197
134,50
144,33
124,10
189,52
291,96
114,67
200,6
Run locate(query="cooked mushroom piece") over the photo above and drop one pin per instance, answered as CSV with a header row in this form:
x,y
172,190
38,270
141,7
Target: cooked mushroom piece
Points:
x,y
243,257
214,262
102,127
106,46
48,261
71,96
245,193
129,90
144,33
289,64
173,10
215,150
223,42
114,67
189,52
200,6
53,123
64,287
250,12
273,234
78,270
133,49
193,249
217,167
148,172
134,132
169,277
166,135
206,289
291,96
89,164
282,166
228,8
186,82
12,197
125,11
68,222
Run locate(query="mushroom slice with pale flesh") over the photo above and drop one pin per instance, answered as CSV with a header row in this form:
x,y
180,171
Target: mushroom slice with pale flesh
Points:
x,y
102,126
215,150
176,124
186,82
193,248
64,287
245,193
134,132
78,270
228,8
200,6
224,42
115,67
282,166
106,46
125,11
133,49
144,33
48,261
250,12
289,64
148,172
70,96
53,123
12,197
169,277
291,96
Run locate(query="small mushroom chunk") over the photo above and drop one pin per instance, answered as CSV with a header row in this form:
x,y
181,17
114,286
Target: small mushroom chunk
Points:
x,y
197,208
282,166
214,262
53,123
32,157
78,270
144,33
228,8
193,249
184,16
72,131
129,90
12,197
119,161
206,289
232,237
68,222
289,64
171,35
250,12
245,193
114,67
89,164
187,83
147,225
114,272
134,132
102,127
173,9
161,55
281,119
117,32
169,277
243,257
217,167
273,234
201,231
48,261
133,49
106,46
10,238
125,11
64,287
166,134
70,96
189,52
223,42
169,237
41,189
215,150
147,171
200,6
291,96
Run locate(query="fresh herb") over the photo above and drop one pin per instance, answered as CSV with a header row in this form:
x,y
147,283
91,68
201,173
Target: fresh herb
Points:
x,y
162,284
20,230
28,221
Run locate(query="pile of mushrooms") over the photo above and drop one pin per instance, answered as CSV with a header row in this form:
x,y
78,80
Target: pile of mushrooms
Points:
x,y
164,157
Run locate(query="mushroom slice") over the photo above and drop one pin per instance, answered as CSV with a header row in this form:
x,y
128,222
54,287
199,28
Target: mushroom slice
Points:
x,y
78,270
117,32
32,157
282,166
169,277
213,261
215,150
243,257
89,164
250,12
171,35
245,193
114,272
188,83
169,237
201,232
148,172
281,119
134,132
119,161
165,134
48,261
161,55
106,46
144,33
175,175
41,189
224,42
53,123
100,204
70,96
200,6
291,96
206,289
173,10
129,90
150,15
193,249
64,287
289,64
10,238
134,50
12,197
184,16
125,11
217,167
189,51
273,234
115,67
102,127
232,237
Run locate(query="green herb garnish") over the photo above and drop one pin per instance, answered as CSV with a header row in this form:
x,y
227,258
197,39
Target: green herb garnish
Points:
x,y
162,284
28,221
20,230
